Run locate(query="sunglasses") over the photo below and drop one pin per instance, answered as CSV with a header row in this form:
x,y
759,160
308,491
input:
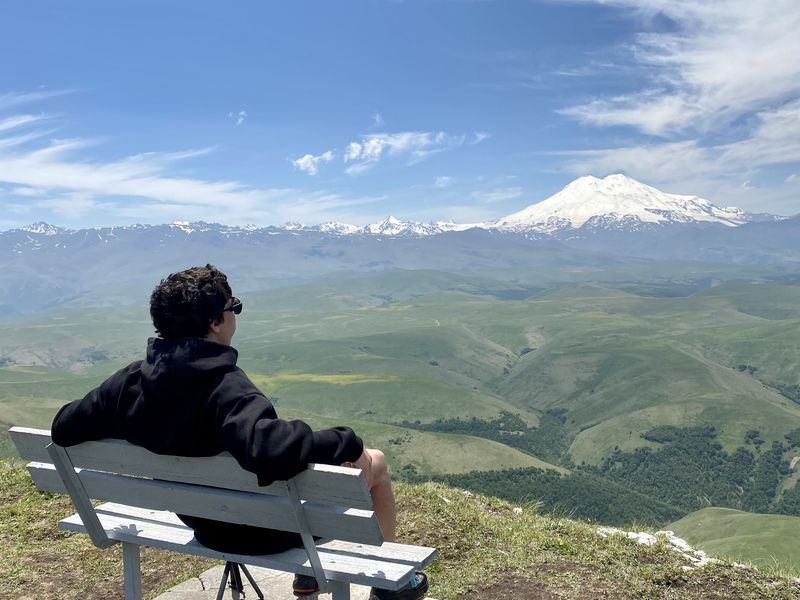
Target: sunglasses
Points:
x,y
235,307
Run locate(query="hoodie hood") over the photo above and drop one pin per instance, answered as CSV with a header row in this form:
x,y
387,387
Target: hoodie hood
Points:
x,y
185,366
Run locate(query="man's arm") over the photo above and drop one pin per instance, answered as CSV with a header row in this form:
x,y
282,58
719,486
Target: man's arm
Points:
x,y
275,449
91,417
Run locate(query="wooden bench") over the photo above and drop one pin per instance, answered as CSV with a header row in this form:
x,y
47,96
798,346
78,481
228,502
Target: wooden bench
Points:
x,y
142,491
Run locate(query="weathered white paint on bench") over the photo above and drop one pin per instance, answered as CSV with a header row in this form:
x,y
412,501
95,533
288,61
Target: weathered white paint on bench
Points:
x,y
323,501
352,568
320,483
325,520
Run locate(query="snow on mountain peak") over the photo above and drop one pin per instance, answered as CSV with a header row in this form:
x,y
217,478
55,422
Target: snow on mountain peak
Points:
x,y
43,228
616,201
338,228
393,226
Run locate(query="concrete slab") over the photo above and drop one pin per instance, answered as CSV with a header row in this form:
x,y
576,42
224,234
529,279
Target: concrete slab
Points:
x,y
276,585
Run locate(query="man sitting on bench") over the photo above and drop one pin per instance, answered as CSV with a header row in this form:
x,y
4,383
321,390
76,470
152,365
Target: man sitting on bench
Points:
x,y
188,398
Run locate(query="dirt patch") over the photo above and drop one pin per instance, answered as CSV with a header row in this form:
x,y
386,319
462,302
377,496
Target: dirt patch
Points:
x,y
554,581
513,587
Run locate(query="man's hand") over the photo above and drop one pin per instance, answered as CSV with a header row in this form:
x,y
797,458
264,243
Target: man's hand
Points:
x,y
364,463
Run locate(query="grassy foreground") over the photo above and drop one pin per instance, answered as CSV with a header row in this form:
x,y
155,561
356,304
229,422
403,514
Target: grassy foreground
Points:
x,y
485,545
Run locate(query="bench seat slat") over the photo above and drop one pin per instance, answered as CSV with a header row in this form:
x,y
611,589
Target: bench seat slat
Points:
x,y
179,538
354,525
418,556
319,483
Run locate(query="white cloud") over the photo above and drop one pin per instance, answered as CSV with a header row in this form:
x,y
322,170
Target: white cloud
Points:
x,y
352,152
651,112
415,146
791,178
28,192
480,136
497,194
60,178
774,140
719,86
377,119
54,168
310,163
240,117
443,181
15,99
18,121
722,60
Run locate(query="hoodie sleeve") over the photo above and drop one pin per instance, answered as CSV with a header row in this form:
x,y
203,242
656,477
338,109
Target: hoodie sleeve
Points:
x,y
276,449
93,417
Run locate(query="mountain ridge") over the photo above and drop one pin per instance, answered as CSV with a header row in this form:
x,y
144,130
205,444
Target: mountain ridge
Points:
x,y
587,204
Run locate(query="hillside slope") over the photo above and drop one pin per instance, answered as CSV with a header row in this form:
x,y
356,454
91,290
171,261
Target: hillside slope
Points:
x,y
486,547
765,540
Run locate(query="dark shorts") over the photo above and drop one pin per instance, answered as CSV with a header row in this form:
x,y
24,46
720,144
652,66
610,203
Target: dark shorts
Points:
x,y
240,539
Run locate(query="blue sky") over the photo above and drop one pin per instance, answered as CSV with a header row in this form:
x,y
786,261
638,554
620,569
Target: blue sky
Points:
x,y
266,112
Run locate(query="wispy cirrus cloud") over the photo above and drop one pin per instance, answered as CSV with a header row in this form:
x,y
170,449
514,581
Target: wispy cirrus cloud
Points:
x,y
443,181
310,163
18,121
63,177
11,99
721,60
717,171
774,140
716,97
238,117
412,146
497,194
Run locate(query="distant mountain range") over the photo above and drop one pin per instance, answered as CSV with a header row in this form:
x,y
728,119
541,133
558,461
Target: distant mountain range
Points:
x,y
590,223
585,206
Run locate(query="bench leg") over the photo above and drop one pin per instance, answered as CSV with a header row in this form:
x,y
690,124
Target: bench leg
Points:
x,y
133,571
339,590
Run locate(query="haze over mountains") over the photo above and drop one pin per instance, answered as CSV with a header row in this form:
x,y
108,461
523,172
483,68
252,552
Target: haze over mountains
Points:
x,y
590,223
615,202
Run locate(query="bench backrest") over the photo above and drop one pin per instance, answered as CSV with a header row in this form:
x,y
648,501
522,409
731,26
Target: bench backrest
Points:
x,y
323,501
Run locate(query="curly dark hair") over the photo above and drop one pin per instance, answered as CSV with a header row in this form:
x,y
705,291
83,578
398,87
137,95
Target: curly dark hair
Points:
x,y
186,303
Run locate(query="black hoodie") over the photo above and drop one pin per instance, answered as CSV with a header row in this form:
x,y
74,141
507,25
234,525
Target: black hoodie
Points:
x,y
189,398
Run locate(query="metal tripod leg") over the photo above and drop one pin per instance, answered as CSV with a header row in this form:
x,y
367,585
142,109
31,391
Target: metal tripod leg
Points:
x,y
232,571
252,581
224,583
236,582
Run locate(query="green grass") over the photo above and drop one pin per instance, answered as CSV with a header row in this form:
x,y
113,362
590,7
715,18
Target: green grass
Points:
x,y
481,542
425,345
762,540
432,453
381,397
37,559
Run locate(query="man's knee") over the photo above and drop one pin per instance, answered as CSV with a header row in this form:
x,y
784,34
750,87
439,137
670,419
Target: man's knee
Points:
x,y
380,468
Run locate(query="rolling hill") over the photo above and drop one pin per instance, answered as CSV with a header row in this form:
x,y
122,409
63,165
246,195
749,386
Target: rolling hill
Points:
x,y
762,540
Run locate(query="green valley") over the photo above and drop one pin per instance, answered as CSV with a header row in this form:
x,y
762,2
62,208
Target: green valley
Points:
x,y
532,389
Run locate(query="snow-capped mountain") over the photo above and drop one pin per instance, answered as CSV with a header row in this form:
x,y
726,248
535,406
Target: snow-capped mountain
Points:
x,y
616,202
42,228
393,226
331,227
337,228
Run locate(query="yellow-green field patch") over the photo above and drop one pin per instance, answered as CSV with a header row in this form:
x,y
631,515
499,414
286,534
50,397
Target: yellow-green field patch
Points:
x,y
331,379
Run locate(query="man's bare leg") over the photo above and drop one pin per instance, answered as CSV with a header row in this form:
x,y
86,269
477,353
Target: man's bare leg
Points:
x,y
383,496
373,464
